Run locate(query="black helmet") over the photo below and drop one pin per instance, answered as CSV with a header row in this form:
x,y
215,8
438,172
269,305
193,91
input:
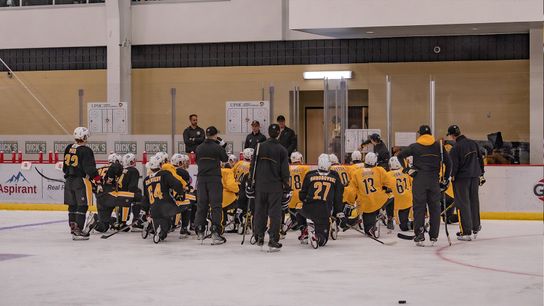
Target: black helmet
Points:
x,y
454,130
424,129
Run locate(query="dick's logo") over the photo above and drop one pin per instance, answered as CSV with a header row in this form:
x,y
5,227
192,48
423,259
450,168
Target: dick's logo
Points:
x,y
539,190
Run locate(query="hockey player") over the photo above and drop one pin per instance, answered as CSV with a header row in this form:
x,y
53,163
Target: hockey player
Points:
x,y
321,194
402,193
241,175
129,183
106,198
158,187
356,162
369,183
79,168
230,190
181,163
297,172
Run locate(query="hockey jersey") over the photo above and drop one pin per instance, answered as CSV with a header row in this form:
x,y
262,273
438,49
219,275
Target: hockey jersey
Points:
x,y
322,189
368,185
230,186
297,174
403,189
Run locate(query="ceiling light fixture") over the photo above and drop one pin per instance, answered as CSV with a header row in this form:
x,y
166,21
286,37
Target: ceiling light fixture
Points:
x,y
319,75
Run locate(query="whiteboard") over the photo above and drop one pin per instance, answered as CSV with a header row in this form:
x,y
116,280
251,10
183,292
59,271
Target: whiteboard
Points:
x,y
404,139
355,137
105,118
240,114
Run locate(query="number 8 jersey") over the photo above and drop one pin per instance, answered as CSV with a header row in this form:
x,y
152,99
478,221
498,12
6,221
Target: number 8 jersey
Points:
x,y
297,173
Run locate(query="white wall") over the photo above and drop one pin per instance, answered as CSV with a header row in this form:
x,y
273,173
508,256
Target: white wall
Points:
x,y
316,14
48,26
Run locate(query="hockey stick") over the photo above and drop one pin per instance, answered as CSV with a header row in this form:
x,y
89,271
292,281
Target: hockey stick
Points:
x,y
373,238
254,169
444,192
246,226
116,232
48,178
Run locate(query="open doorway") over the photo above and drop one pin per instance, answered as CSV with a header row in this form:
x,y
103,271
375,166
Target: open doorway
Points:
x,y
311,138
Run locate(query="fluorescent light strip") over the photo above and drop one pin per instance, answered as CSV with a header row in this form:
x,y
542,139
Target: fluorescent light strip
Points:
x,y
319,75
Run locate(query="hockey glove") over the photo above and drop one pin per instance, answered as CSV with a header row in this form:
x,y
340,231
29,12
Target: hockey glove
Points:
x,y
387,189
342,221
250,191
180,197
285,199
410,171
482,180
444,184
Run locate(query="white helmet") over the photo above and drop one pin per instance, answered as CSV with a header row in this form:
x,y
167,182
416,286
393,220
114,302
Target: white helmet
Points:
x,y
323,162
129,159
232,159
248,153
356,155
163,156
176,159
394,163
334,159
296,157
155,162
410,160
371,159
81,133
114,157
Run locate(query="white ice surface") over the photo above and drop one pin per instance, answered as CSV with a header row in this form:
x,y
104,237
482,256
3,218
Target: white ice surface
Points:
x,y
126,270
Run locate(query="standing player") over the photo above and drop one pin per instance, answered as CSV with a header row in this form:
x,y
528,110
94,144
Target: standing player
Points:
x,y
297,173
79,167
271,187
428,157
402,193
321,194
369,183
209,156
158,187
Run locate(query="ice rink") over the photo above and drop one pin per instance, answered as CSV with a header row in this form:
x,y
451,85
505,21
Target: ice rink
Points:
x,y
41,265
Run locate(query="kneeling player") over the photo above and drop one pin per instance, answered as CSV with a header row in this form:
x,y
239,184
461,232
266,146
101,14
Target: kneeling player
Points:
x,y
157,197
230,191
402,193
321,193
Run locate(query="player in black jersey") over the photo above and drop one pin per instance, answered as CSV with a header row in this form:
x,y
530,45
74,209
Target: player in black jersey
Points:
x,y
79,169
321,195
181,162
129,195
158,199
106,196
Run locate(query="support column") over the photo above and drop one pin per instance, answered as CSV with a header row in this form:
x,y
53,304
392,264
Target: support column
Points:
x,y
536,94
119,39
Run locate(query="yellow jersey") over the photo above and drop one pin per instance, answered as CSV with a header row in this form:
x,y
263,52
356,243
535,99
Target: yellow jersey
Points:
x,y
297,172
403,189
230,186
367,184
240,169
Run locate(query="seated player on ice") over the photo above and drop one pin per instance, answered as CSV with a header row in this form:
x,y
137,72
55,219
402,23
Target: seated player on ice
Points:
x,y
321,195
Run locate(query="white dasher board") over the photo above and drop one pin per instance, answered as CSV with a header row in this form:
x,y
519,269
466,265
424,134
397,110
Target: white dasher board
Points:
x,y
240,114
107,118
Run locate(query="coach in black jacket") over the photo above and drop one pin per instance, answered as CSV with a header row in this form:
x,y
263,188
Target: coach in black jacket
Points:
x,y
255,136
287,139
271,182
467,175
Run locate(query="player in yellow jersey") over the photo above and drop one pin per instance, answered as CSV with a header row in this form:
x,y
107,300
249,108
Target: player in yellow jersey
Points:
x,y
241,175
369,183
230,192
402,193
297,172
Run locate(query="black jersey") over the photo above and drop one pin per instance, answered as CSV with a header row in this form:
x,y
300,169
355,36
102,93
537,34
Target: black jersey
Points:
x,y
128,183
157,187
79,162
322,189
110,175
184,175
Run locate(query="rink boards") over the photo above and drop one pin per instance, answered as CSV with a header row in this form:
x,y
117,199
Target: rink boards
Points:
x,y
511,192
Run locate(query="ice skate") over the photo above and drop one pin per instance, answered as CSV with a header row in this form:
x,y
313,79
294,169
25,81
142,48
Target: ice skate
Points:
x,y
303,238
217,239
92,222
433,241
475,232
274,246
462,237
137,226
420,240
183,233
77,234
157,236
